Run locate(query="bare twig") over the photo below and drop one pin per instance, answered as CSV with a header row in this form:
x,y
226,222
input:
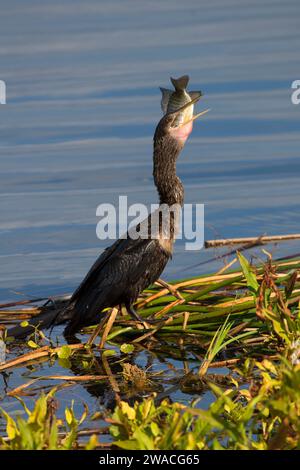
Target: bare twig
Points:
x,y
261,239
108,326
227,266
97,330
154,330
70,378
37,354
171,289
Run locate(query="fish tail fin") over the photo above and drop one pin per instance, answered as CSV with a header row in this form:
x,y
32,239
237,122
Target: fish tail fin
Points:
x,y
180,83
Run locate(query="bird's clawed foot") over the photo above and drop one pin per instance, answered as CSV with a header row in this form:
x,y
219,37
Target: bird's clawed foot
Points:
x,y
140,319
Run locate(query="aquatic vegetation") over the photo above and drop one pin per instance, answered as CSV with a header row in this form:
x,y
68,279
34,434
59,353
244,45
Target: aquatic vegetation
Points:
x,y
42,429
265,416
238,335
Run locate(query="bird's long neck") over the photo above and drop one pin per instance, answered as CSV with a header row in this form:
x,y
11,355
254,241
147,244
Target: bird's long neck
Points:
x,y
169,186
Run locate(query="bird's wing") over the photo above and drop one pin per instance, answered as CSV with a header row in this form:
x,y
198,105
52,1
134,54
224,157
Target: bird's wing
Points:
x,y
111,255
122,275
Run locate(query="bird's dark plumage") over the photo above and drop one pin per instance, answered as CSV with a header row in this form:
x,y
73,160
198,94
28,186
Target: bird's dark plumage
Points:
x,y
127,267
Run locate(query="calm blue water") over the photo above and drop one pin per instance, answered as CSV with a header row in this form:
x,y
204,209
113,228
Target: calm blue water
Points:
x,y
83,101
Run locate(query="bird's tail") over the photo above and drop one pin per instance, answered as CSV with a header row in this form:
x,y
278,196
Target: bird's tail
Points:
x,y
43,320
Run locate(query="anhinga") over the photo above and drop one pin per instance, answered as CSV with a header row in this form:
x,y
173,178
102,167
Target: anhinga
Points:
x,y
127,267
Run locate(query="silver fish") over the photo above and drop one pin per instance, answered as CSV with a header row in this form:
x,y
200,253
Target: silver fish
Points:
x,y
173,100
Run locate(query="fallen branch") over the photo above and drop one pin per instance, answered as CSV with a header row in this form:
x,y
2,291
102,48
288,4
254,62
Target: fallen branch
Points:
x,y
259,240
59,298
70,378
37,354
108,326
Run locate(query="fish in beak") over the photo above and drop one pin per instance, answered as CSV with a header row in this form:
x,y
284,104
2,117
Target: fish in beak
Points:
x,y
182,120
175,100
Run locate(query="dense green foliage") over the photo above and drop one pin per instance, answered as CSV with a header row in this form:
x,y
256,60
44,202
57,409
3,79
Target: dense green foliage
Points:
x,y
252,314
264,416
42,430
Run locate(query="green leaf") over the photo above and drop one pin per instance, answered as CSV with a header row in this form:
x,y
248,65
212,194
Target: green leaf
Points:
x,y
69,440
131,444
109,352
11,427
114,431
69,416
65,363
145,442
28,436
127,348
84,414
32,344
39,413
127,410
155,429
64,352
53,438
290,285
248,273
93,442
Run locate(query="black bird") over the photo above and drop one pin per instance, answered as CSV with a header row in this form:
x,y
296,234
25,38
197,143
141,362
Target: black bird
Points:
x,y
127,267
